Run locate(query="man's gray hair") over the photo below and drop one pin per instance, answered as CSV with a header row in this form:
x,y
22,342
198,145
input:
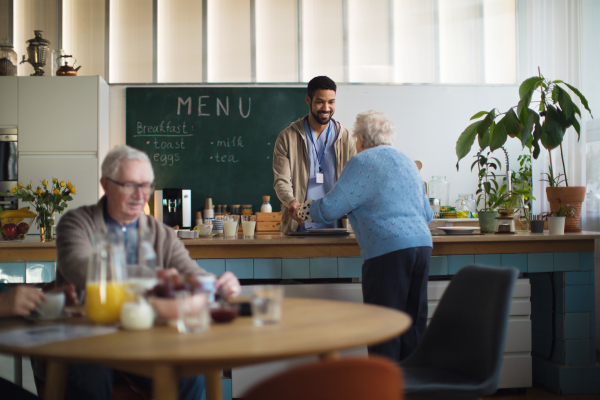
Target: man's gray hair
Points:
x,y
374,128
114,158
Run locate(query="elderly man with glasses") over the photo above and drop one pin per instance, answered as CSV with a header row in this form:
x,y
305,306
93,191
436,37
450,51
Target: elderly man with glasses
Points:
x,y
128,182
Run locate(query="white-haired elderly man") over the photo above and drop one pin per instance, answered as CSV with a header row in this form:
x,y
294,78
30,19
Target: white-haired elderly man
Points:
x,y
381,191
128,182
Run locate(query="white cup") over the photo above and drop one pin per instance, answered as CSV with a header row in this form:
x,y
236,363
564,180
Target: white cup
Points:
x,y
205,229
53,306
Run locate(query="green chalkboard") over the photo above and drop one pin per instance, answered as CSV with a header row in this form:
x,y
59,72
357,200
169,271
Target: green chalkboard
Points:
x,y
216,141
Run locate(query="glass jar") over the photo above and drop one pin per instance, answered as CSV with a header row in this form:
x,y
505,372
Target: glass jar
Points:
x,y
266,206
235,209
247,209
8,60
439,189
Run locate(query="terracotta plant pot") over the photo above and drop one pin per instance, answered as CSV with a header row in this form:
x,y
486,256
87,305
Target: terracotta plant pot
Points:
x,y
571,195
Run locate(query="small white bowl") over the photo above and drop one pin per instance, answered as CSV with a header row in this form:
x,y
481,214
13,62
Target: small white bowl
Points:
x,y
187,234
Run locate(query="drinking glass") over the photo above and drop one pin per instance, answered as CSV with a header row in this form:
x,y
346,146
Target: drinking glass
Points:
x,y
192,311
230,226
266,304
105,285
248,226
141,263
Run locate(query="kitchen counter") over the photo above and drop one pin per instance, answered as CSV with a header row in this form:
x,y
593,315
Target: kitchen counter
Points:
x,y
335,246
559,267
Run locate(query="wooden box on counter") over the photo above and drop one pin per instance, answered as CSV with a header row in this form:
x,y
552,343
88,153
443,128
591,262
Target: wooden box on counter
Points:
x,y
268,222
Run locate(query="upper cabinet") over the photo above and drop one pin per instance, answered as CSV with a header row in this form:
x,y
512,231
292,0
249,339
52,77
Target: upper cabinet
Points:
x,y
59,114
9,100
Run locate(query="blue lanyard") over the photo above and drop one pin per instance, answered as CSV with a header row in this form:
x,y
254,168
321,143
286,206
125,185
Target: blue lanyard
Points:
x,y
324,146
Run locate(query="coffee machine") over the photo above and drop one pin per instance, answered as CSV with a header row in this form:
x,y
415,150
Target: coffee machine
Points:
x,y
177,207
9,167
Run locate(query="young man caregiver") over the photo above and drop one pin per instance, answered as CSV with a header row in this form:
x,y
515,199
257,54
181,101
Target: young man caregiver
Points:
x,y
310,154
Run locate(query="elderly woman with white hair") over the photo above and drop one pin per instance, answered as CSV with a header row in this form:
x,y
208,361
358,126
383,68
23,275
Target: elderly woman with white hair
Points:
x,y
381,191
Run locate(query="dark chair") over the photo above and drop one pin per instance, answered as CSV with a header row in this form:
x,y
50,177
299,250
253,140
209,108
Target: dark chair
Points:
x,y
460,354
348,379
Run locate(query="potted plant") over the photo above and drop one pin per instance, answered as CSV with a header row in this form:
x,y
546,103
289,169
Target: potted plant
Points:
x,y
546,126
556,219
489,192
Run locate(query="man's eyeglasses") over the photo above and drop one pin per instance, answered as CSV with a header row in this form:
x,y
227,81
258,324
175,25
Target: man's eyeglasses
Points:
x,y
131,188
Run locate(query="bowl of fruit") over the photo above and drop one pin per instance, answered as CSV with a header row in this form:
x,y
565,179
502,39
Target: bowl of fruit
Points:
x,y
16,223
171,288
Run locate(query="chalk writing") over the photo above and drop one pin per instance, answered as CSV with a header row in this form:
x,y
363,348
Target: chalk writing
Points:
x,y
219,105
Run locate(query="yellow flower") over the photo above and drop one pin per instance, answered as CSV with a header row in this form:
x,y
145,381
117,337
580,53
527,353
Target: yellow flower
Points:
x,y
13,189
20,185
73,190
54,180
44,182
39,191
62,183
56,191
69,185
29,186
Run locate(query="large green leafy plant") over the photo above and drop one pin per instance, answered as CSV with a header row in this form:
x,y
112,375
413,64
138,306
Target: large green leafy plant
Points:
x,y
544,124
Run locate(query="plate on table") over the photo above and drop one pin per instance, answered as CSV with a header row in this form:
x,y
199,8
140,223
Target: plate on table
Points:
x,y
458,230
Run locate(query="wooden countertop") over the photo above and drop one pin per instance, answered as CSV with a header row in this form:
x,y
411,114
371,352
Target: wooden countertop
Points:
x,y
269,246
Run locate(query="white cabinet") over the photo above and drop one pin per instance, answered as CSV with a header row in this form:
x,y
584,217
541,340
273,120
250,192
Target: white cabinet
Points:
x,y
59,114
9,98
62,129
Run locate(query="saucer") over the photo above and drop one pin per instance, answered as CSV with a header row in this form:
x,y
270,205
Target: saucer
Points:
x,y
207,236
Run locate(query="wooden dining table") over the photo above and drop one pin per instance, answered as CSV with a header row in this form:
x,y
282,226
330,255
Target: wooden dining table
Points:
x,y
307,327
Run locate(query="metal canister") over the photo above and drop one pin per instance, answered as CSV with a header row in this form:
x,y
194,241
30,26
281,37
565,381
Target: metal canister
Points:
x,y
37,51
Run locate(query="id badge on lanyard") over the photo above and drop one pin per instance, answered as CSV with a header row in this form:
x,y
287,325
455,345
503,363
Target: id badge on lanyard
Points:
x,y
319,175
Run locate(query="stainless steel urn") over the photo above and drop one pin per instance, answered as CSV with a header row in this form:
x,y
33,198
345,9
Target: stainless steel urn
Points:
x,y
37,51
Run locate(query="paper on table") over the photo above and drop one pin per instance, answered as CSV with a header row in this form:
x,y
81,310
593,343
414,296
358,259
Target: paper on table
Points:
x,y
39,335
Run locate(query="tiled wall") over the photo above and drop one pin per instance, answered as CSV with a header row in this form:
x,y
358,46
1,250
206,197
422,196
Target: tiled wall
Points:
x,y
27,272
286,268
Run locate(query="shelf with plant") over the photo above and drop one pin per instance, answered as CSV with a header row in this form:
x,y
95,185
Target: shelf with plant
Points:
x,y
542,126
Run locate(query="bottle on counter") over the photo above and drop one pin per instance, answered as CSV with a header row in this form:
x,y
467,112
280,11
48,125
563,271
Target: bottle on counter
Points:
x,y
266,206
209,212
235,209
224,210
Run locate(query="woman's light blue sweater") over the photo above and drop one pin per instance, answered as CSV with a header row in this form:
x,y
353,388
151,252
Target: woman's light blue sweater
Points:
x,y
383,194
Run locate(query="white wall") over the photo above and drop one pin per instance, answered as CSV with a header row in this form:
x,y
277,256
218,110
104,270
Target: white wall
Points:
x,y
428,119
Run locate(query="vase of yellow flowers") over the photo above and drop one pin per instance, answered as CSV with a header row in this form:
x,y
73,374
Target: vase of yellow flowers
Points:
x,y
46,199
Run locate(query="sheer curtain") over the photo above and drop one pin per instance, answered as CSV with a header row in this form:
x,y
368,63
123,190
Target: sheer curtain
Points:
x,y
554,44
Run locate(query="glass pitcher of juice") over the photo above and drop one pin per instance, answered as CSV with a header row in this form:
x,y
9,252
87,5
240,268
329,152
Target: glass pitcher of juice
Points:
x,y
105,286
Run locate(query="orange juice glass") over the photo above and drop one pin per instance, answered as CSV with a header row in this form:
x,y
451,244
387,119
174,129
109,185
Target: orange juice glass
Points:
x,y
105,286
103,301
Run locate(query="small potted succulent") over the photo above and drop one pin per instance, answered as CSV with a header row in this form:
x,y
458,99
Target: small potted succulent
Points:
x,y
556,219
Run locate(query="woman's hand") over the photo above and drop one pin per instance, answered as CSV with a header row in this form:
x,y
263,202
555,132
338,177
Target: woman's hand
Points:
x,y
228,284
21,301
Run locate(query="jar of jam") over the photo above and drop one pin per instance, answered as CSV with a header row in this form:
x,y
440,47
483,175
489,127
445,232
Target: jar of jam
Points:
x,y
8,60
247,209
